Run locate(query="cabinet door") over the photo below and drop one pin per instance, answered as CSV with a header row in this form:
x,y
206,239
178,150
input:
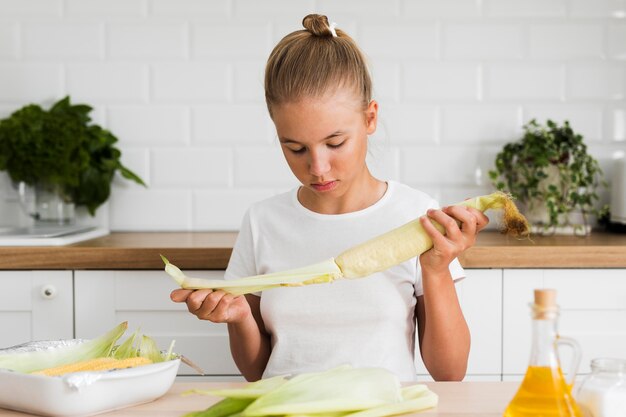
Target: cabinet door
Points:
x,y
106,298
592,310
480,295
35,305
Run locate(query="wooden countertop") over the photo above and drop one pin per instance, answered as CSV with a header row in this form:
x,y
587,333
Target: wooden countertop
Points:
x,y
456,399
211,250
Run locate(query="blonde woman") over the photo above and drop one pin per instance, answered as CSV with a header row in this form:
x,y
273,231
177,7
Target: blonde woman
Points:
x,y
319,96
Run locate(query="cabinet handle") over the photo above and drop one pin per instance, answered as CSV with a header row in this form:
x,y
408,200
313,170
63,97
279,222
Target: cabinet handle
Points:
x,y
48,292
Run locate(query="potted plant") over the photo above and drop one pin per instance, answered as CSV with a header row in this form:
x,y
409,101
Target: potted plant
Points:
x,y
60,153
553,177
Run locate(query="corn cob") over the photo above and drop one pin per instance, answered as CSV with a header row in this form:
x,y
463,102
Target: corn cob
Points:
x,y
98,364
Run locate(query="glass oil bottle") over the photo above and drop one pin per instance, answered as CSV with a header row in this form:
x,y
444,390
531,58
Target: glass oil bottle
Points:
x,y
544,391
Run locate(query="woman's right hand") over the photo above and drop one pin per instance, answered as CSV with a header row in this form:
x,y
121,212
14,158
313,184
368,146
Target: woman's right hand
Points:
x,y
216,306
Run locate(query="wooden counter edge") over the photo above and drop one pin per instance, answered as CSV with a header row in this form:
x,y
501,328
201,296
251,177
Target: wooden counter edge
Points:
x,y
212,250
545,257
38,258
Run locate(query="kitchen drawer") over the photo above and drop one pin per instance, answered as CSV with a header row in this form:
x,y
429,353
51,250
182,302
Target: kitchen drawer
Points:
x,y
480,298
35,305
593,308
106,298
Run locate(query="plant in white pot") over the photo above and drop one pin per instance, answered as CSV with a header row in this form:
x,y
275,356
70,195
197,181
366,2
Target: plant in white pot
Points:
x,y
553,176
64,157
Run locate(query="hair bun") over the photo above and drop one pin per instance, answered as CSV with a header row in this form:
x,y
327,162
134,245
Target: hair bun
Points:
x,y
317,24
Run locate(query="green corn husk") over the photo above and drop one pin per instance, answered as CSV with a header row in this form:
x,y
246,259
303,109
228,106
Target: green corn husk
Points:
x,y
99,347
339,392
43,359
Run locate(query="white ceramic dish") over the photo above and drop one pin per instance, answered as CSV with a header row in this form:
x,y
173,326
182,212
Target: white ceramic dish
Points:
x,y
85,393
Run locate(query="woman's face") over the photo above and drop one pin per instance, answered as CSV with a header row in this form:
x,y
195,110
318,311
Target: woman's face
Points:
x,y
324,141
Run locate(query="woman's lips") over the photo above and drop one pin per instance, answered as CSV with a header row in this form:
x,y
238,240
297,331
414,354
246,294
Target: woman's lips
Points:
x,y
324,186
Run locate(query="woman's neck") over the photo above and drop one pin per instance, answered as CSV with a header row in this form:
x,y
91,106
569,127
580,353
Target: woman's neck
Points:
x,y
359,196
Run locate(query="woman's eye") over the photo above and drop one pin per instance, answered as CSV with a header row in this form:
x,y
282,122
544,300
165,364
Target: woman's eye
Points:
x,y
336,145
297,151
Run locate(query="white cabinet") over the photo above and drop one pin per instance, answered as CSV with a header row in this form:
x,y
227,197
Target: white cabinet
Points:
x,y
35,305
107,298
593,311
495,303
480,295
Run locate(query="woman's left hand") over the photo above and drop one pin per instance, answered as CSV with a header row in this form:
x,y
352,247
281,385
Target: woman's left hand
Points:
x,y
456,239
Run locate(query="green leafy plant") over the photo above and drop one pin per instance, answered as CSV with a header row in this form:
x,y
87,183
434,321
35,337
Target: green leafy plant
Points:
x,y
549,169
61,148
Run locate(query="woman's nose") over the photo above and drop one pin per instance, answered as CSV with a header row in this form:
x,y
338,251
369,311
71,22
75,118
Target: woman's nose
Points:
x,y
319,164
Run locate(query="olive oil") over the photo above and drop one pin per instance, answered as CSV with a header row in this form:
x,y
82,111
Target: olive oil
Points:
x,y
544,391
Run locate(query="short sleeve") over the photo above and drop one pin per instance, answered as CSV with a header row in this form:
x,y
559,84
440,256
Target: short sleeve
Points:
x,y
242,260
456,271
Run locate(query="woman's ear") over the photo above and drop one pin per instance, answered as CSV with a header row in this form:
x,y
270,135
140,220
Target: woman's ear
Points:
x,y
371,116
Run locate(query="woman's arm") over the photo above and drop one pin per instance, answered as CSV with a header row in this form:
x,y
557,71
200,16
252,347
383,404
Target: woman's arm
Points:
x,y
443,334
444,337
249,342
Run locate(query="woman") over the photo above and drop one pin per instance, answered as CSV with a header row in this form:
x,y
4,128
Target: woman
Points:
x,y
318,93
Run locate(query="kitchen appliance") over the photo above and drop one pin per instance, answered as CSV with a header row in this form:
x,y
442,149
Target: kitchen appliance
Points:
x,y
48,234
618,192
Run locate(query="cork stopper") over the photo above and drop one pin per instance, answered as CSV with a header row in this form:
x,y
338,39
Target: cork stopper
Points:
x,y
545,298
545,303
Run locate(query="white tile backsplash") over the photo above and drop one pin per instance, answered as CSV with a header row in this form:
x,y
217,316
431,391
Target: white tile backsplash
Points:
x,y
410,123
191,167
208,82
386,81
248,82
452,166
617,124
595,81
139,41
150,210
266,9
107,82
180,83
586,119
62,40
9,40
232,125
231,41
365,8
219,9
383,41
564,41
223,209
150,125
465,124
31,8
526,8
531,82
598,8
441,82
483,41
105,8
26,82
420,9
616,43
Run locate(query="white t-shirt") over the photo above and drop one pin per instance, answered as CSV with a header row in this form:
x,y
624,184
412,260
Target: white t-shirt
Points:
x,y
363,322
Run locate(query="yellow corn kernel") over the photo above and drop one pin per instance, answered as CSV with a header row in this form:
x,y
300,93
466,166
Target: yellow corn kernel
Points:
x,y
98,364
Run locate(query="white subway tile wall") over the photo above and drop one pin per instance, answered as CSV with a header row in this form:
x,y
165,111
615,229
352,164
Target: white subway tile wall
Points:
x,y
180,83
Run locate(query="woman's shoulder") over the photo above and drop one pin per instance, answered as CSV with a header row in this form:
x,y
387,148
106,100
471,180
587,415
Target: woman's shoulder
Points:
x,y
276,204
400,192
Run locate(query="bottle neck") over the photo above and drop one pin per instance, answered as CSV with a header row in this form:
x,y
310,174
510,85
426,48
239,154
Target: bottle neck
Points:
x,y
544,336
